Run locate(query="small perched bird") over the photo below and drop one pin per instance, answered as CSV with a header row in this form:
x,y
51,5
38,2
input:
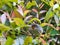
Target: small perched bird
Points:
x,y
35,30
37,27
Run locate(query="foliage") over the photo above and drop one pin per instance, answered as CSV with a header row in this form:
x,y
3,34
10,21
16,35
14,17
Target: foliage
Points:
x,y
37,21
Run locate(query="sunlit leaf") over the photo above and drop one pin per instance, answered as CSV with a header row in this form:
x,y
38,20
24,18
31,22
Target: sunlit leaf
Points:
x,y
30,4
4,28
9,4
47,24
26,12
43,24
45,1
49,14
35,19
17,14
13,25
51,2
22,3
19,21
9,41
28,40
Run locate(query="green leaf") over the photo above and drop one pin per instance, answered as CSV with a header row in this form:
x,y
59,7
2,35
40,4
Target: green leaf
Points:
x,y
35,19
13,25
19,22
30,4
4,28
13,1
0,33
49,15
22,3
51,3
43,24
28,40
17,14
53,32
45,1
26,12
1,4
9,4
9,41
33,2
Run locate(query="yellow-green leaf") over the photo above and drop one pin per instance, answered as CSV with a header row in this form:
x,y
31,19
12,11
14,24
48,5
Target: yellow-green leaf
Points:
x,y
9,41
51,2
49,15
17,14
14,1
26,11
30,4
43,24
19,22
4,28
28,40
35,19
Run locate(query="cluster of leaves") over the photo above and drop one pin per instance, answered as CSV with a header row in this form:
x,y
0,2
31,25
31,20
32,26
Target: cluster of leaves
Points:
x,y
37,21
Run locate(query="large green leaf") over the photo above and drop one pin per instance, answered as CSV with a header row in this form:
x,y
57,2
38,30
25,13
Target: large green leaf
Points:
x,y
47,24
51,3
19,22
9,4
30,4
1,4
49,14
28,40
4,28
53,32
9,41
45,1
26,12
18,14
